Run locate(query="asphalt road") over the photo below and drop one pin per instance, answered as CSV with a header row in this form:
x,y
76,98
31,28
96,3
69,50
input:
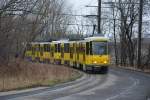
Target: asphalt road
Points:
x,y
118,84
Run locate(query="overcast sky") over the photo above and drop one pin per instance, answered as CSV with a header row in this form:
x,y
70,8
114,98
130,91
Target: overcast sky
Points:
x,y
79,6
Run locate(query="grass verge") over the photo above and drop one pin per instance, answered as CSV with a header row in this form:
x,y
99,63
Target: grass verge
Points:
x,y
23,74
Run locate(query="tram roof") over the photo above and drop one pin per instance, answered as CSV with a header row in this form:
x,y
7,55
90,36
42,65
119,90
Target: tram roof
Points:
x,y
99,38
35,43
45,42
60,41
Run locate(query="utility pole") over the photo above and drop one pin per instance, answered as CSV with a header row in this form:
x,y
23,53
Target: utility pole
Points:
x,y
94,26
99,17
140,34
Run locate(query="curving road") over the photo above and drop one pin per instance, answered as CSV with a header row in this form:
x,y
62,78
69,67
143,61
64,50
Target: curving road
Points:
x,y
118,84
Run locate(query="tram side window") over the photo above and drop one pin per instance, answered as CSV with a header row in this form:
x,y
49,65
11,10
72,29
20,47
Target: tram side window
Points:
x,y
71,51
59,47
62,51
48,48
91,48
45,47
66,48
37,48
77,49
52,50
33,50
82,48
41,50
74,48
55,47
87,48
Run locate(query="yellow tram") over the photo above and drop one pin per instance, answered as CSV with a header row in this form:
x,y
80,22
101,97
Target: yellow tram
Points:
x,y
89,54
93,54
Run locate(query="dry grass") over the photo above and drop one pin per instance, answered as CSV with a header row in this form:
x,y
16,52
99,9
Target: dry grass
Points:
x,y
22,74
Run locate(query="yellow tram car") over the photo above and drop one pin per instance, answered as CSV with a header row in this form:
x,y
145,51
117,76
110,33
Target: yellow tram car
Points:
x,y
89,54
93,54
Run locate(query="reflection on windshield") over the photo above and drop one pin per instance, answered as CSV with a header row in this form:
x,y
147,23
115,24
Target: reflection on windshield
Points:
x,y
99,48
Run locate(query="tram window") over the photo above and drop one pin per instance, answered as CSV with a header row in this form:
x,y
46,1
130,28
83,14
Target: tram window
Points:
x,y
71,52
66,47
37,48
91,48
55,47
80,48
58,47
74,49
62,52
83,49
33,50
99,48
87,48
48,47
52,48
77,49
45,47
41,50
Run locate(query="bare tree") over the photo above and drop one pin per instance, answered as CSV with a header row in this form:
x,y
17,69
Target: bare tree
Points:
x,y
23,21
128,18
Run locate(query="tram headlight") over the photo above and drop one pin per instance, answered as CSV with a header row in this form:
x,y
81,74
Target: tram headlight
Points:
x,y
105,62
95,62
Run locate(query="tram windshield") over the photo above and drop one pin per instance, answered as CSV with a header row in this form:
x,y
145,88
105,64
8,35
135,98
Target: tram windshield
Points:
x,y
99,48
